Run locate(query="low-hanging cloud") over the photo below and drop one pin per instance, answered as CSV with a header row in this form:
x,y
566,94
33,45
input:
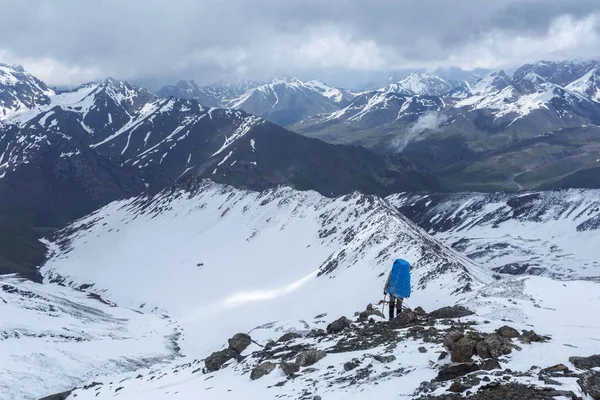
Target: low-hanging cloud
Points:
x,y
71,41
430,121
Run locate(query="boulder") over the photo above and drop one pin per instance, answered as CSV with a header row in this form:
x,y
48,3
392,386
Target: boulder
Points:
x,y
586,362
215,361
385,359
489,364
463,350
493,346
451,312
422,349
507,332
590,384
531,337
338,325
314,333
363,316
451,338
239,342
419,311
350,365
453,371
555,369
309,357
405,319
262,370
289,368
288,336
58,396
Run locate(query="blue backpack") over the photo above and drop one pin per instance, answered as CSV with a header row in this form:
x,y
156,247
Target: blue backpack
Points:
x,y
399,285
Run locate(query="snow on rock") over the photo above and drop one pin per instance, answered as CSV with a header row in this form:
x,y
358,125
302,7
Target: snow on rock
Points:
x,y
54,338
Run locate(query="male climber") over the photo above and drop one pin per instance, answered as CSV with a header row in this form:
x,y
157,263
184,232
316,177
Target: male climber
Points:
x,y
398,285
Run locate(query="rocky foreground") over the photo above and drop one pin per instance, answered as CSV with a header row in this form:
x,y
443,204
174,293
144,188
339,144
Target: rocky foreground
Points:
x,y
466,360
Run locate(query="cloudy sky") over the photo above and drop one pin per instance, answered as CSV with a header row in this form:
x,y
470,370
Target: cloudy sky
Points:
x,y
67,42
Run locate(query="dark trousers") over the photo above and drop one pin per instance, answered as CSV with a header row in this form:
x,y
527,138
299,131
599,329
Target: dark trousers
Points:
x,y
395,303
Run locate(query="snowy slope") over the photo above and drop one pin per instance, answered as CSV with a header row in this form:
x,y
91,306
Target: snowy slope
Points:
x,y
54,338
421,84
587,85
255,256
20,91
553,308
546,233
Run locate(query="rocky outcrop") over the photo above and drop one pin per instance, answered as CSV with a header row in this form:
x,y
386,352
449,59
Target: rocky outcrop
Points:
x,y
338,325
239,342
590,384
216,360
289,368
586,362
262,369
310,357
464,346
451,312
507,332
288,337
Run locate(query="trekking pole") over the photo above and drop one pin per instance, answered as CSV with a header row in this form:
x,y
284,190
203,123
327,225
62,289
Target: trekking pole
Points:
x,y
383,303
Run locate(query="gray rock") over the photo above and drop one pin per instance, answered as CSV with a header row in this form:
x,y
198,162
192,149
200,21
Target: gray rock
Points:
x,y
555,369
310,357
489,364
263,369
463,350
315,333
405,319
422,349
451,312
385,359
586,362
363,316
317,398
507,332
531,337
288,336
590,384
338,325
239,342
215,361
58,396
493,346
451,338
454,371
289,368
350,365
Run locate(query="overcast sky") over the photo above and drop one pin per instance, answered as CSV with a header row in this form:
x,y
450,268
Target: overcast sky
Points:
x,y
67,42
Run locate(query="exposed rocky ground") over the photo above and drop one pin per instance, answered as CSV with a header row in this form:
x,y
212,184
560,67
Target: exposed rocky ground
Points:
x,y
369,350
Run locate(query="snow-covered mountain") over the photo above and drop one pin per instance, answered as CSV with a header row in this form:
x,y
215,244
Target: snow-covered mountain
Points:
x,y
219,260
19,90
558,72
284,100
541,233
110,140
420,83
531,120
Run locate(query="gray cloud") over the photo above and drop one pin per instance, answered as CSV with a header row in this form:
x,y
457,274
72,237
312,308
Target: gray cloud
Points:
x,y
70,41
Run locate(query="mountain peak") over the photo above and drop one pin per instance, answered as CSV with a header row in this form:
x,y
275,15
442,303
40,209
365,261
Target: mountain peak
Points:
x,y
419,83
285,80
492,82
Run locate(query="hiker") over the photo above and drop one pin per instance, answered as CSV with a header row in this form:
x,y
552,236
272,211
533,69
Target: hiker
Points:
x,y
399,278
